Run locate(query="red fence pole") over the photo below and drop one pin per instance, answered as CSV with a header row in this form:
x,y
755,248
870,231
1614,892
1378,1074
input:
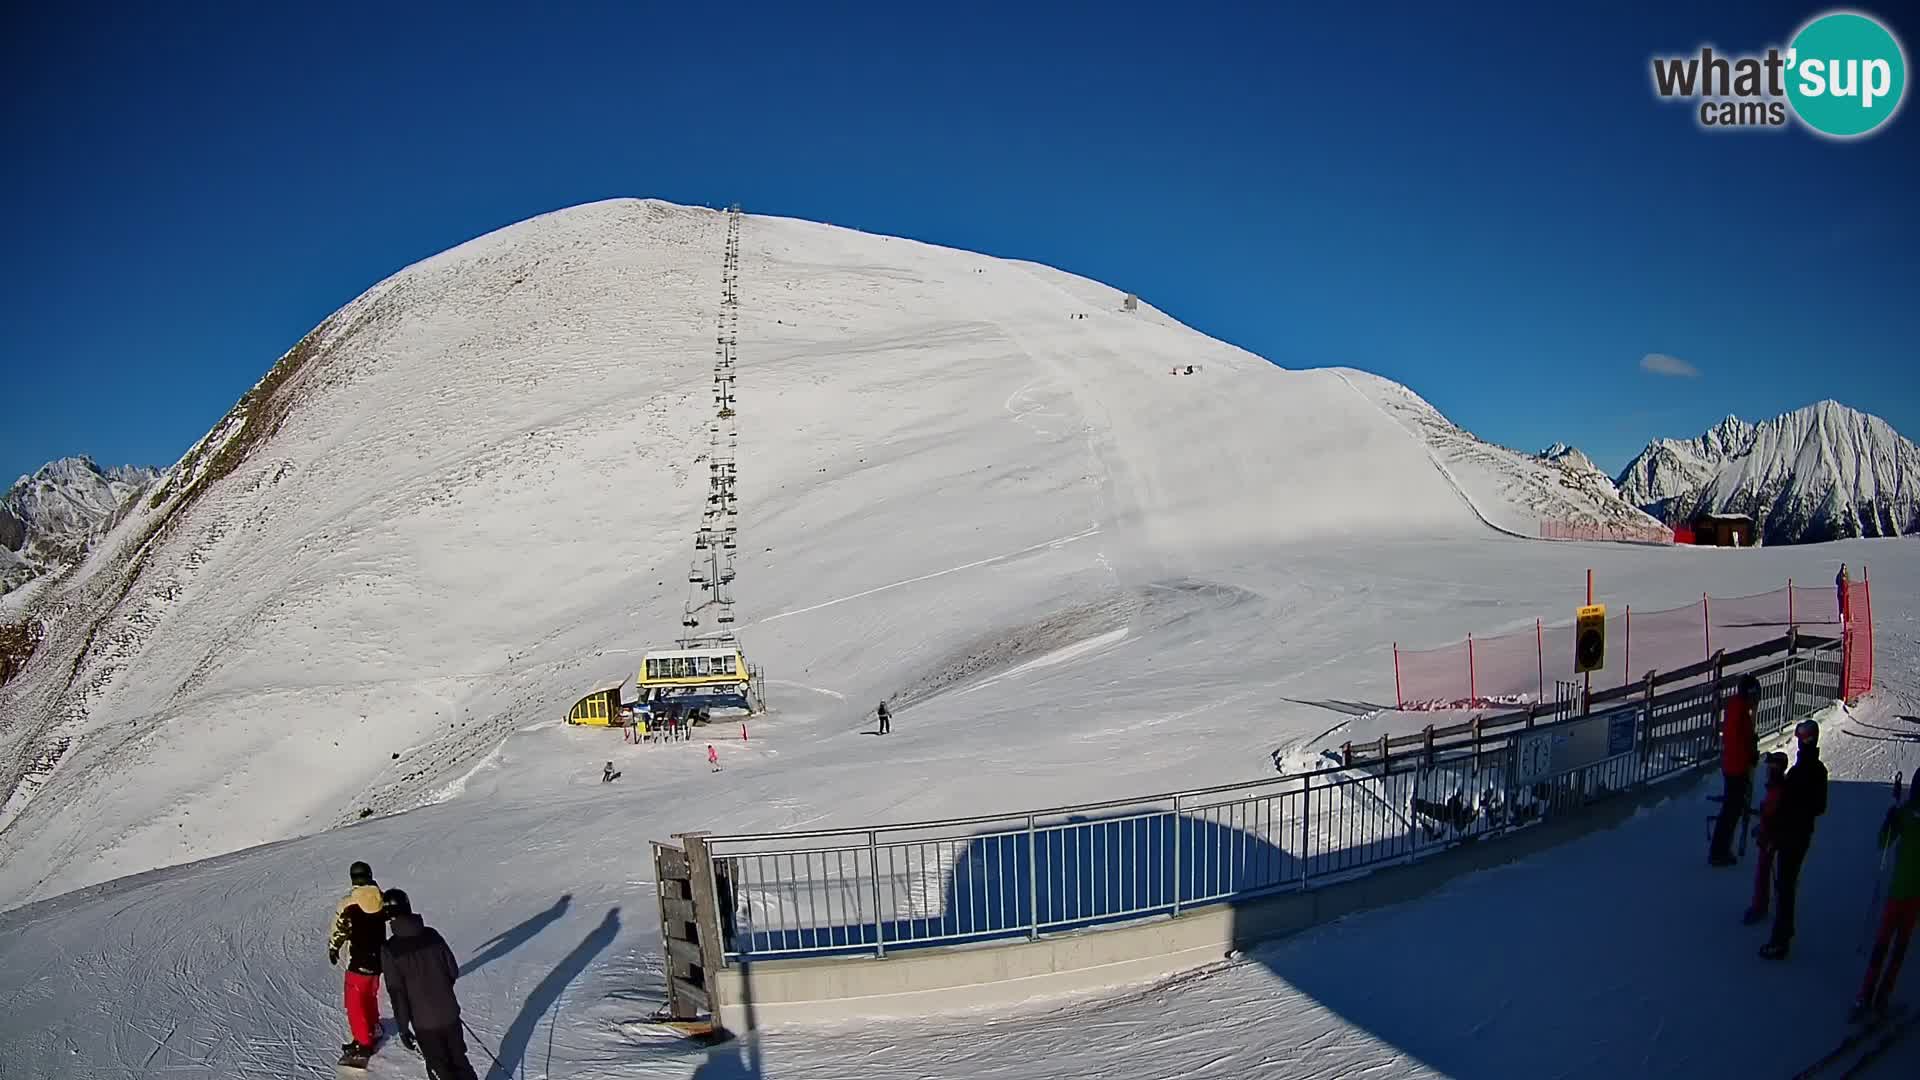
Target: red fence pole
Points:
x,y
1586,681
1399,699
1540,655
1473,686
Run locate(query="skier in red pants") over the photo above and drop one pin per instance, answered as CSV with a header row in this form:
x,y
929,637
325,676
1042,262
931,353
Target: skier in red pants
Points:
x,y
1897,919
360,923
1769,807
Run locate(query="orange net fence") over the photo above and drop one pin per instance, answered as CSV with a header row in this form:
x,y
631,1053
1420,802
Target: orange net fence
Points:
x,y
1516,668
1649,533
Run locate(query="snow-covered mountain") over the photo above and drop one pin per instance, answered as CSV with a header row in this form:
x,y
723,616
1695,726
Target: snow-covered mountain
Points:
x,y
1569,457
1823,472
474,488
48,519
1668,468
1508,490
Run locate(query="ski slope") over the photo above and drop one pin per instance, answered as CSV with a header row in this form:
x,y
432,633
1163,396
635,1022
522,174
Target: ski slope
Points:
x,y
469,495
1619,954
1075,576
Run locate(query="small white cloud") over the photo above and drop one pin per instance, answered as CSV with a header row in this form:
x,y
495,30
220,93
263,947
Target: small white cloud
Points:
x,y
1673,366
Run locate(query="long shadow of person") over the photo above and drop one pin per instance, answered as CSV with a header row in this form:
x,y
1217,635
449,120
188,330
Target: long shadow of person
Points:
x,y
730,1061
503,943
513,1045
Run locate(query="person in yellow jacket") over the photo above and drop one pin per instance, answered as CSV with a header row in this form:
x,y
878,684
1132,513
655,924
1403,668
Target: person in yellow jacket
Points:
x,y
360,924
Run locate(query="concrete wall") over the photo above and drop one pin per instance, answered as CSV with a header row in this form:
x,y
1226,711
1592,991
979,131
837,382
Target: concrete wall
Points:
x,y
917,982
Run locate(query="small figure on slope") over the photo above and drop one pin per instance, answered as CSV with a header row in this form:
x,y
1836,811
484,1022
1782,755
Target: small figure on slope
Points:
x,y
421,971
1739,749
1840,583
1769,813
359,923
608,775
886,718
713,757
1901,831
1803,798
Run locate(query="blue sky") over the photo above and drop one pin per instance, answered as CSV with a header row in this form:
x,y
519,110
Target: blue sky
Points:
x,y
1490,207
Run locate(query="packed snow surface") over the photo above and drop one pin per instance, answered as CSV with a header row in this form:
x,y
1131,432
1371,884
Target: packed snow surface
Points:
x,y
1075,575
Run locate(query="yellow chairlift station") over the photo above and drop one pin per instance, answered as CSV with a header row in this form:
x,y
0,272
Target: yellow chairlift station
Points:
x,y
713,676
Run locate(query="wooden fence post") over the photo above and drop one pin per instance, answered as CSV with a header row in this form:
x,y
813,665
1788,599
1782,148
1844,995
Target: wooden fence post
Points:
x,y
706,904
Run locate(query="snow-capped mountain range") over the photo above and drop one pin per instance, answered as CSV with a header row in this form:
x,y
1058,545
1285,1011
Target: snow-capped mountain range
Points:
x,y
48,519
1823,472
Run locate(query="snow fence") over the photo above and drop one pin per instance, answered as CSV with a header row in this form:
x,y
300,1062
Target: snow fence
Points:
x,y
1527,666
1024,878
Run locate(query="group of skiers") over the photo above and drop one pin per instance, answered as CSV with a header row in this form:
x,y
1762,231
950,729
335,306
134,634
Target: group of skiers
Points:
x,y
1794,797
419,969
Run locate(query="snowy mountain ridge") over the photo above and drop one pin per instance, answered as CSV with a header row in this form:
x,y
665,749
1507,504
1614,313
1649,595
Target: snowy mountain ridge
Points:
x,y
474,487
1509,490
49,518
1821,472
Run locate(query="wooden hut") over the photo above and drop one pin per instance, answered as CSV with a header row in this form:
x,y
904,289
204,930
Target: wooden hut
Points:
x,y
1723,530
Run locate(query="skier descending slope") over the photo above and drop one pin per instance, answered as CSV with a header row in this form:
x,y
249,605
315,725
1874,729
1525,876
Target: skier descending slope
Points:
x,y
359,923
420,972
1803,799
1902,828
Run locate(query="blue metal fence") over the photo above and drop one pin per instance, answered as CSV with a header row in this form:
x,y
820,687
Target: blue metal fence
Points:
x,y
874,890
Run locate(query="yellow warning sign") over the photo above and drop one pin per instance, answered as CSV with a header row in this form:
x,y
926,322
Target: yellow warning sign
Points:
x,y
1590,638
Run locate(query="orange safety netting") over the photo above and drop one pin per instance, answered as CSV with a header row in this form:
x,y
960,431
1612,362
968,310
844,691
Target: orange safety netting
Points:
x,y
1520,667
1609,531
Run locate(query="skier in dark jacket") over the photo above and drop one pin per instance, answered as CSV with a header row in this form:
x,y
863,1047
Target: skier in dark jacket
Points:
x,y
1739,750
1802,799
359,924
420,971
886,719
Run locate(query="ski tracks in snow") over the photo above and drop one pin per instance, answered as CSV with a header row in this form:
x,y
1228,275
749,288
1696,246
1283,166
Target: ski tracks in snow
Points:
x,y
1055,543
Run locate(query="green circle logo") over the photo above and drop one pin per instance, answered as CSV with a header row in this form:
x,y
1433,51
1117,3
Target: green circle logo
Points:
x,y
1847,74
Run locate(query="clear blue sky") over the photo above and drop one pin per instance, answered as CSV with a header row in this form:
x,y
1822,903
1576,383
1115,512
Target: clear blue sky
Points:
x,y
1490,207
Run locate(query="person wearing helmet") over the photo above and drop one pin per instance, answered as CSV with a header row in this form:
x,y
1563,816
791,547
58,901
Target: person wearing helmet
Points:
x,y
1739,750
359,923
1803,798
1900,831
420,971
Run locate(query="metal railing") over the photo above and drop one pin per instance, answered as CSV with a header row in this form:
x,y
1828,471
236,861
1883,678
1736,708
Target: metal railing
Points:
x,y
869,891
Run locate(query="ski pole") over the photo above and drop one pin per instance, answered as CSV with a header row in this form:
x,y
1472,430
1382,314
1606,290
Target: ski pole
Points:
x,y
504,1071
1880,873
